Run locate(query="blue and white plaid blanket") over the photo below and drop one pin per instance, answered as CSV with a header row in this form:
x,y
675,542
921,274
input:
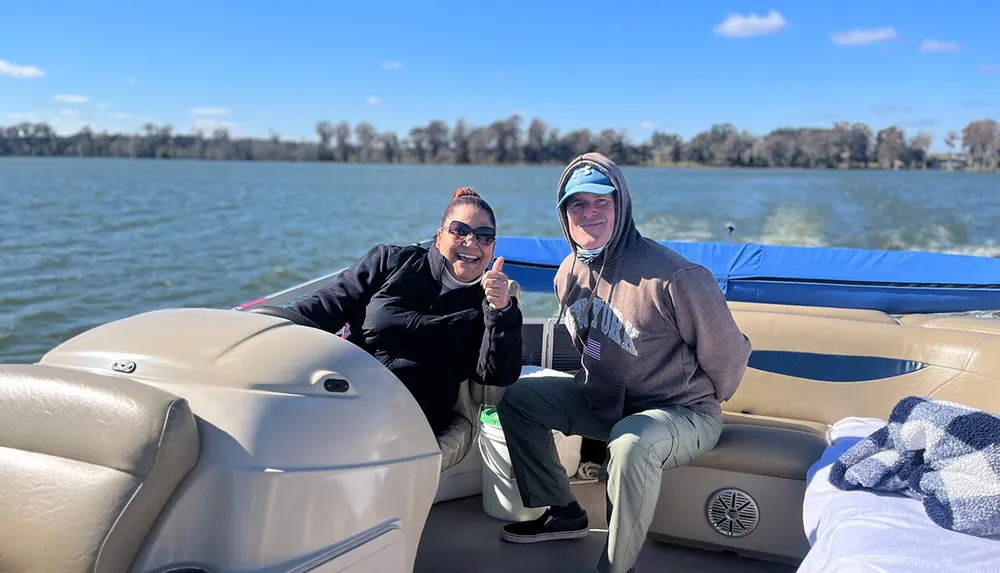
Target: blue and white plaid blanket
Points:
x,y
944,454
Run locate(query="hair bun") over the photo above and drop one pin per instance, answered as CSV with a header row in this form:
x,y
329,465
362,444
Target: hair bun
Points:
x,y
463,191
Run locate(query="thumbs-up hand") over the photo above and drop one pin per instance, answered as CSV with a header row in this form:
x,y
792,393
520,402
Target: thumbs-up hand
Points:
x,y
497,286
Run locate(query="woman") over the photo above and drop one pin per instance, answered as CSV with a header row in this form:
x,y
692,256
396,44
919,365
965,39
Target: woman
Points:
x,y
435,317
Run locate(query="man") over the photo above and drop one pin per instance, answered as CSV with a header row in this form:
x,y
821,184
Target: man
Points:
x,y
659,352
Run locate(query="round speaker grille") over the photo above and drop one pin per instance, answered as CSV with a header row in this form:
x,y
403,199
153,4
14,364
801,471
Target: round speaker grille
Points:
x,y
732,512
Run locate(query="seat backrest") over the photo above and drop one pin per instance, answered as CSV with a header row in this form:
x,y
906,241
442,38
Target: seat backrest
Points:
x,y
824,368
87,464
825,364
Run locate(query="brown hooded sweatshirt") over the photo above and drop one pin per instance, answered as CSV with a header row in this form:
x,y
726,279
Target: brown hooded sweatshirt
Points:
x,y
653,328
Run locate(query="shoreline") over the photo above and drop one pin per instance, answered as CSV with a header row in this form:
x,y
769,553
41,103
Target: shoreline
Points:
x,y
842,145
682,165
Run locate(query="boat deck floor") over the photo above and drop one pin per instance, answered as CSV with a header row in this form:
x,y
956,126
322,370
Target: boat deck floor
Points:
x,y
461,538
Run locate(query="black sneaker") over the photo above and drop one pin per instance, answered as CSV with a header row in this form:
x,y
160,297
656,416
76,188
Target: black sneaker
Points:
x,y
545,528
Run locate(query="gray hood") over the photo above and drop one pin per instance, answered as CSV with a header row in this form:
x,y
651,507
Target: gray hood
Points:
x,y
626,235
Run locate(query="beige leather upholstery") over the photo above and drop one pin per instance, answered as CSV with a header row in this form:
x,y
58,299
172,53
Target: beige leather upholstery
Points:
x,y
766,446
967,323
961,357
815,428
87,463
455,442
858,314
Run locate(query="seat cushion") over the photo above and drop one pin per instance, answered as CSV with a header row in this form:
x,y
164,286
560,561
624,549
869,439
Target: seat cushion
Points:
x,y
87,463
455,441
763,445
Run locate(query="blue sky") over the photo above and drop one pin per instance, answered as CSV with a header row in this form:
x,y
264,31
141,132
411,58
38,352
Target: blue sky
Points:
x,y
674,66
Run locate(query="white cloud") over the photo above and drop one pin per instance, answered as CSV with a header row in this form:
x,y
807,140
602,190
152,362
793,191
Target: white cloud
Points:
x,y
71,98
14,70
990,69
647,125
69,113
130,80
740,26
391,65
372,100
23,116
104,105
939,46
211,111
121,115
863,37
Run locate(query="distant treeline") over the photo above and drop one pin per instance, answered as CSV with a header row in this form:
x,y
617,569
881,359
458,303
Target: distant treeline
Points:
x,y
853,145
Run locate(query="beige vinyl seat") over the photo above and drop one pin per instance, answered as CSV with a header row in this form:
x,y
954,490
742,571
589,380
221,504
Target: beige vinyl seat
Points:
x,y
767,446
87,464
816,366
456,440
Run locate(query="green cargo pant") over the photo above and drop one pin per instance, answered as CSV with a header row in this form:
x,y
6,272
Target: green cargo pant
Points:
x,y
640,448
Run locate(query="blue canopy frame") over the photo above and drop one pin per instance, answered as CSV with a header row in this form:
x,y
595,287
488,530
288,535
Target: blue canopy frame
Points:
x,y
895,282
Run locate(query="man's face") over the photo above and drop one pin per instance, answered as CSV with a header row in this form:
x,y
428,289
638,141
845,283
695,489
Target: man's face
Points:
x,y
591,219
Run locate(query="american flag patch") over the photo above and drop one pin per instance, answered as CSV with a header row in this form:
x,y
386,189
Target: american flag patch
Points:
x,y
592,348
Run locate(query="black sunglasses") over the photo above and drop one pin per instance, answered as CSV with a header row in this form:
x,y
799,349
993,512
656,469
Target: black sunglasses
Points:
x,y
485,236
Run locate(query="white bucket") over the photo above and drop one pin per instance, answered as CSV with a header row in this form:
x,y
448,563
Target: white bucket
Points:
x,y
501,498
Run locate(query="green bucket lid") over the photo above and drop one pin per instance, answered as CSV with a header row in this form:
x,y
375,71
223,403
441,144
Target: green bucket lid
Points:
x,y
489,416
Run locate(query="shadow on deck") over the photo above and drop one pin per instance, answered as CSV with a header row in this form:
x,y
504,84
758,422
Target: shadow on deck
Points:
x,y
461,538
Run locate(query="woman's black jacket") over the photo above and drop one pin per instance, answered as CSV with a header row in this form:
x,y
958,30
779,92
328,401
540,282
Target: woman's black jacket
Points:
x,y
391,301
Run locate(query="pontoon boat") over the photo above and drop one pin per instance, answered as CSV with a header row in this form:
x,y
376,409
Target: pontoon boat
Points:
x,y
201,440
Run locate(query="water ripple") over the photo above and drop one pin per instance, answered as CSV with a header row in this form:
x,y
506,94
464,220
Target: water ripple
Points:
x,y
87,241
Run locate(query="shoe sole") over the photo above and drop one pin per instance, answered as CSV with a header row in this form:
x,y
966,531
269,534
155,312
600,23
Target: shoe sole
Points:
x,y
542,537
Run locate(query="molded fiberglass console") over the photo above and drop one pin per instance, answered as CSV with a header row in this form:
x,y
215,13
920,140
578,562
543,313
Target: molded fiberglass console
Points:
x,y
298,450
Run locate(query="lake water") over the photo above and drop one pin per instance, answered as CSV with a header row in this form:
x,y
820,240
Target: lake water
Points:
x,y
85,241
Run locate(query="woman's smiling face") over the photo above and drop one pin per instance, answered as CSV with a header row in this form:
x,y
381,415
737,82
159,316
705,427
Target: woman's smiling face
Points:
x,y
467,242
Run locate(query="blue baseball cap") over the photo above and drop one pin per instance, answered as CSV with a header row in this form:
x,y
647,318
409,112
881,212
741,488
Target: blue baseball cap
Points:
x,y
587,179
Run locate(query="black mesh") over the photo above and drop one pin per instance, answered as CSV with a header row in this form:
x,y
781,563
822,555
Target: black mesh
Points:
x,y
565,357
531,350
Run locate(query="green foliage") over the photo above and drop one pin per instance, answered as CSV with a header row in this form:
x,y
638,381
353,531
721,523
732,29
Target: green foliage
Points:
x,y
844,145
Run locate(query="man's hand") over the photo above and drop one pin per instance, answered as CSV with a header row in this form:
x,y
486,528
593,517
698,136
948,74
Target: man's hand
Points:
x,y
497,286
